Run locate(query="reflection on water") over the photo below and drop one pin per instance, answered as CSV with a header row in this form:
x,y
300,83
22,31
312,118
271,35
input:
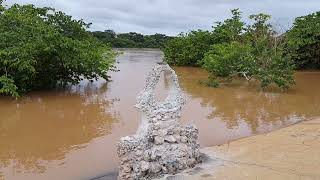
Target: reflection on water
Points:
x,y
247,110
44,126
72,134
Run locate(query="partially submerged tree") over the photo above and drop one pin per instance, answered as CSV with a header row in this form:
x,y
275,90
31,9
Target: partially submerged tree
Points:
x,y
255,54
41,48
188,49
272,65
304,41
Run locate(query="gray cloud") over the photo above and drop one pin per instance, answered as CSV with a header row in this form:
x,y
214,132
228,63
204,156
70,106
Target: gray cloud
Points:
x,y
173,16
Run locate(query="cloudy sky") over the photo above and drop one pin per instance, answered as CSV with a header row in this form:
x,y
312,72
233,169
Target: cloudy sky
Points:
x,y
173,16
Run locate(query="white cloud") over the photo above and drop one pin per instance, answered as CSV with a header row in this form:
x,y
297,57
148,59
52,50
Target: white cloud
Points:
x,y
173,16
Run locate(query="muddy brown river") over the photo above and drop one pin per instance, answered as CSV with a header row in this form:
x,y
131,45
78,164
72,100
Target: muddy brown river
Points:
x,y
72,134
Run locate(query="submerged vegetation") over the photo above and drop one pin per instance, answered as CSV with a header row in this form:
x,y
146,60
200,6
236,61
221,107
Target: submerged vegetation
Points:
x,y
252,51
42,48
187,49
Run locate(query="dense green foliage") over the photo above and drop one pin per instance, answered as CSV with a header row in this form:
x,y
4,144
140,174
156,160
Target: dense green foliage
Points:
x,y
229,30
227,59
132,39
304,41
188,49
255,54
234,49
41,48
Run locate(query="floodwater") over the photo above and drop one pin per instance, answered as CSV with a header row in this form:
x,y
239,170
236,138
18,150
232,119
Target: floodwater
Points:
x,y
72,134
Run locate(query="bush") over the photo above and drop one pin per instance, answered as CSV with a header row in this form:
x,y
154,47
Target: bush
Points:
x,y
226,59
259,55
210,82
304,41
41,48
188,49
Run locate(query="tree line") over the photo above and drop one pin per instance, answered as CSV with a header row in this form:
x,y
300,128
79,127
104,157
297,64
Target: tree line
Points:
x,y
41,48
254,50
131,39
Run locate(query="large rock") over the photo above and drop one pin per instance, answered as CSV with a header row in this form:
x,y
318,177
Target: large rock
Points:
x,y
161,145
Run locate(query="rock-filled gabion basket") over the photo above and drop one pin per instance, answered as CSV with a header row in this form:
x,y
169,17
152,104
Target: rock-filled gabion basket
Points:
x,y
161,145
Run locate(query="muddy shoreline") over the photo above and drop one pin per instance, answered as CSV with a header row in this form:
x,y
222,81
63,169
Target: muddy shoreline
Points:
x,y
287,153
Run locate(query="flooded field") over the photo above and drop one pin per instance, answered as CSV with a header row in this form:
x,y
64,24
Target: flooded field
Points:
x,y
72,134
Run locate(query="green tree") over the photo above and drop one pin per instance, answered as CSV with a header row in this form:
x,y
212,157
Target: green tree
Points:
x,y
258,55
230,29
188,49
228,59
273,66
41,48
107,36
304,41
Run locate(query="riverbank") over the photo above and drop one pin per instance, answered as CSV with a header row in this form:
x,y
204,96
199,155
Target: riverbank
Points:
x,y
289,153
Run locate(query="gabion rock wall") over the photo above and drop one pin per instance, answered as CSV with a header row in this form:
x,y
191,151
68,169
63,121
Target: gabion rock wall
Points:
x,y
161,145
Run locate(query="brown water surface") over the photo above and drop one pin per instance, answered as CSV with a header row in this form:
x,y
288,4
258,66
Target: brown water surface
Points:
x,y
72,134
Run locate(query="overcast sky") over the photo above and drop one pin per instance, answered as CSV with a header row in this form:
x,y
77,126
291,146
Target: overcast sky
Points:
x,y
173,16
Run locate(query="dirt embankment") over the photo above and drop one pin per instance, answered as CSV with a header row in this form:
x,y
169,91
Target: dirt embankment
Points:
x,y
292,153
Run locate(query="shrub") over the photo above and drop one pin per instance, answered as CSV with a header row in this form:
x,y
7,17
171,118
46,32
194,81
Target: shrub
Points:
x,y
258,55
187,49
226,59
